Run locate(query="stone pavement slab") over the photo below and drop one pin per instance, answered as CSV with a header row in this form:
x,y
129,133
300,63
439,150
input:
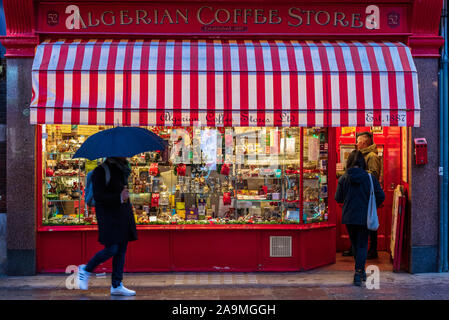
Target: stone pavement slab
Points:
x,y
332,282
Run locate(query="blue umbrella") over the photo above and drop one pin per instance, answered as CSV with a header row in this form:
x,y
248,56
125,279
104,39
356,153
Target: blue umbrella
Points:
x,y
120,142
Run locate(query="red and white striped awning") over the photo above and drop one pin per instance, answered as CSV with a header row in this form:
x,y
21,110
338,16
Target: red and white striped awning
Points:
x,y
224,83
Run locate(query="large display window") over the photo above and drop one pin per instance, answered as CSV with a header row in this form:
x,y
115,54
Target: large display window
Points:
x,y
207,175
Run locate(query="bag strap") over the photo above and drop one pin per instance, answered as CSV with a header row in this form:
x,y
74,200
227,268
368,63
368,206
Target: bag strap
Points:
x,y
371,183
107,173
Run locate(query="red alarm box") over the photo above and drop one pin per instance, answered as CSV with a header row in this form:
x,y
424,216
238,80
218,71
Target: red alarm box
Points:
x,y
420,151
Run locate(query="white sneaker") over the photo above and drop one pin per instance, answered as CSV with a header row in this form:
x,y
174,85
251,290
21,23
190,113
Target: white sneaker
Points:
x,y
83,277
122,291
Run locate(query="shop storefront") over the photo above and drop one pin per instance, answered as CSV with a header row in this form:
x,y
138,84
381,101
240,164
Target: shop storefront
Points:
x,y
259,105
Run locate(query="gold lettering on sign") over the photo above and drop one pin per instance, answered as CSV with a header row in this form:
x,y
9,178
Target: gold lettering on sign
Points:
x,y
83,24
291,13
227,14
123,15
237,13
166,15
259,13
198,16
327,19
112,18
356,18
183,16
89,20
141,15
342,21
207,15
246,13
308,12
274,14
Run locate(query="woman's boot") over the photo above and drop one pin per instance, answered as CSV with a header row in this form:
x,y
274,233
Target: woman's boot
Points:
x,y
358,278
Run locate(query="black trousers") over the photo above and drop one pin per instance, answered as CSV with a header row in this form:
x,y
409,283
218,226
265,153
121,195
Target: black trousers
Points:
x,y
359,242
373,241
115,251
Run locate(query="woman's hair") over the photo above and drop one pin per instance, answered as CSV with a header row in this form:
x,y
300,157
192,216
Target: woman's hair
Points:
x,y
356,158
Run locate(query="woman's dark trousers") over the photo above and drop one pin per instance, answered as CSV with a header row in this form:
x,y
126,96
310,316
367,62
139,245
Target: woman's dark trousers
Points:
x,y
358,235
117,252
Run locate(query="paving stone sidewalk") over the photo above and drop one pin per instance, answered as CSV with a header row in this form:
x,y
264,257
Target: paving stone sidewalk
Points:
x,y
331,282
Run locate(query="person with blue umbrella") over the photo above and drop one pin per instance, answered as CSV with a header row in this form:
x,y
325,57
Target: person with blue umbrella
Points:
x,y
110,195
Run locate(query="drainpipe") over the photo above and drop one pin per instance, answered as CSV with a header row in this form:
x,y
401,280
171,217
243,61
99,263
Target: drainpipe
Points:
x,y
443,174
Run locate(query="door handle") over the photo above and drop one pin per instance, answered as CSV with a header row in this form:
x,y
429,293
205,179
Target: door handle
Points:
x,y
392,186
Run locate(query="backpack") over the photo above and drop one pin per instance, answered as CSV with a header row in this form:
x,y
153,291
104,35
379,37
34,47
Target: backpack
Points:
x,y
88,191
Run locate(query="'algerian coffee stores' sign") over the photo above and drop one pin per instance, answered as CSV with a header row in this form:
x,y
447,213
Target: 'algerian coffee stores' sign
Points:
x,y
199,18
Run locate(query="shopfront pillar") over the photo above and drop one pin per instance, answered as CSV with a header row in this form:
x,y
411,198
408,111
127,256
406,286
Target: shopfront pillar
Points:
x,y
20,43
20,160
424,187
424,195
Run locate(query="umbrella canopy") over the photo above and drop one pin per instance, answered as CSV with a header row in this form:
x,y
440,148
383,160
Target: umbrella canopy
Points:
x,y
120,142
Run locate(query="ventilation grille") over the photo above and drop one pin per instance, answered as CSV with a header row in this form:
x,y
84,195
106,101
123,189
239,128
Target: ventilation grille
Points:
x,y
280,246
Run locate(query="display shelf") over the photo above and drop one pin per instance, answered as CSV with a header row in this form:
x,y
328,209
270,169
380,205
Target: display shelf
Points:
x,y
313,171
270,163
80,159
258,177
67,176
280,226
206,193
259,200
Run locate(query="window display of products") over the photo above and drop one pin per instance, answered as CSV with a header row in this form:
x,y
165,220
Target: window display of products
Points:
x,y
206,176
315,155
64,178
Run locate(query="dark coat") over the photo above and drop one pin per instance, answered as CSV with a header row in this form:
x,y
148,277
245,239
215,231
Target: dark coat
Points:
x,y
353,191
116,222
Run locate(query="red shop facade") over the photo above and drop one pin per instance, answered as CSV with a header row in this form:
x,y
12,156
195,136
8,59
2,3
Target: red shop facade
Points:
x,y
297,80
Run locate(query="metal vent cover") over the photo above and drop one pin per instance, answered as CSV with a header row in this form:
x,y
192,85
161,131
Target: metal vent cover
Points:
x,y
280,246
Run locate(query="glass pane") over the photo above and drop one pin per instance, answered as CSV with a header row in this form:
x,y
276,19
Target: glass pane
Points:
x,y
62,176
206,175
315,155
291,148
258,174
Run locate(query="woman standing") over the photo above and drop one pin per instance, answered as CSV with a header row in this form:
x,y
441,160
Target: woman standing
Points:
x,y
353,191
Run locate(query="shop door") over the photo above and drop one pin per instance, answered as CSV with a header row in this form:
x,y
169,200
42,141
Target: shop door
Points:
x,y
388,141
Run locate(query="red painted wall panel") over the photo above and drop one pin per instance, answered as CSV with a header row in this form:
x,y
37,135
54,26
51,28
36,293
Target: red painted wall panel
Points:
x,y
317,248
150,253
280,263
91,247
213,250
57,250
192,250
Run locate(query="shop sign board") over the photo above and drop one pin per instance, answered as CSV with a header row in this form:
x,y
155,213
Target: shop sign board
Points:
x,y
218,18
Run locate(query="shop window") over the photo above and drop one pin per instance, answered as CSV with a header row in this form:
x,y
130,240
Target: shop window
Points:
x,y
206,176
